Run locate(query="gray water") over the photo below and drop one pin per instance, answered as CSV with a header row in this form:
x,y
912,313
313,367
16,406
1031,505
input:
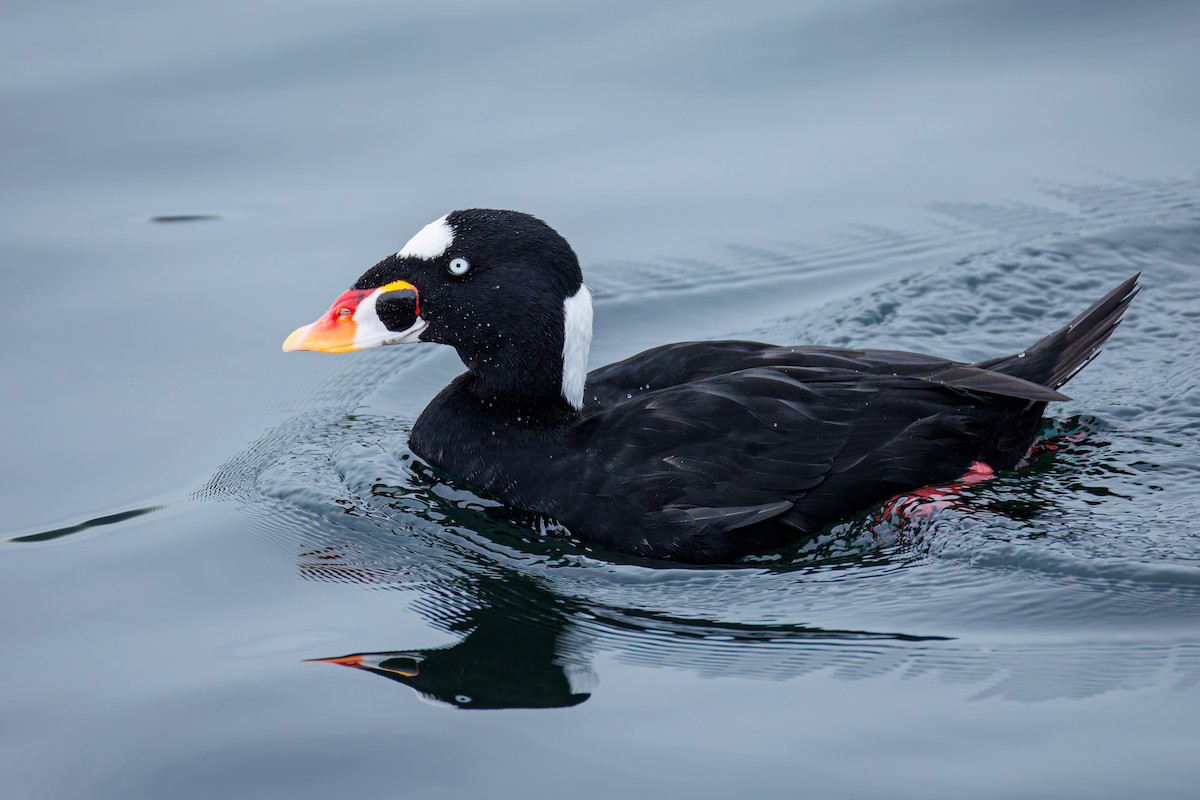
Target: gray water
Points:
x,y
189,515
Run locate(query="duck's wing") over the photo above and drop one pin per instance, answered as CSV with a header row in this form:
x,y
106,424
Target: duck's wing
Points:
x,y
686,362
700,464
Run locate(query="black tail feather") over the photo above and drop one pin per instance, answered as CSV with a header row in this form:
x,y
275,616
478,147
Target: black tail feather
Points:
x,y
1056,359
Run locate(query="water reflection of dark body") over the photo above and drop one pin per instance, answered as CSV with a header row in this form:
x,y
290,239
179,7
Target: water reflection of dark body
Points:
x,y
523,646
509,657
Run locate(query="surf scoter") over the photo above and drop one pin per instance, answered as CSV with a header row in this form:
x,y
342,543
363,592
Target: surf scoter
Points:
x,y
699,451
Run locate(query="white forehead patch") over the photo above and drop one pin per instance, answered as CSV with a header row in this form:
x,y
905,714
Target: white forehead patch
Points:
x,y
430,242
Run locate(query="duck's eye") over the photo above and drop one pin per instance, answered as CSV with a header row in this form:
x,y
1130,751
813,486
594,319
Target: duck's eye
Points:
x,y
458,267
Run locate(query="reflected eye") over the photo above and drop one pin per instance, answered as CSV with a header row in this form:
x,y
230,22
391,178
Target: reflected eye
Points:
x,y
458,267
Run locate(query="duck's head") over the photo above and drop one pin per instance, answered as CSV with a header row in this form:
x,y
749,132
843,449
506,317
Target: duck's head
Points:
x,y
501,287
479,677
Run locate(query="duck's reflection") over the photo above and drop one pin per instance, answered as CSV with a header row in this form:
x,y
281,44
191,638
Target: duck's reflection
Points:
x,y
523,646
504,661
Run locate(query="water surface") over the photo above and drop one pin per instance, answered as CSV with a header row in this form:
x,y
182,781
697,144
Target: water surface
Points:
x,y
191,518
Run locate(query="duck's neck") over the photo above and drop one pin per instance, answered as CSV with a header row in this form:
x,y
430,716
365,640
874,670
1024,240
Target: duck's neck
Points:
x,y
540,373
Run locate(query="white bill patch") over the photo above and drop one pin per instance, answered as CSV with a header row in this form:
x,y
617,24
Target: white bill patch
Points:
x,y
577,340
371,332
431,242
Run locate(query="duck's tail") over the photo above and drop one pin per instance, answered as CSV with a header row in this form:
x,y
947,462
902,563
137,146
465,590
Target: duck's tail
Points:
x,y
1055,359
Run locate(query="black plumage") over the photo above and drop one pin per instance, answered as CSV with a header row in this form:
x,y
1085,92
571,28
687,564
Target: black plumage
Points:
x,y
701,451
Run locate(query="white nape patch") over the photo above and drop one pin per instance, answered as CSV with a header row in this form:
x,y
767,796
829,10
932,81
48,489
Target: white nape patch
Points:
x,y
371,332
577,340
580,679
431,242
434,701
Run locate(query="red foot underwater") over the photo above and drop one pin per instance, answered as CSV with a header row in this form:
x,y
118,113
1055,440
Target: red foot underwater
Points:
x,y
923,503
